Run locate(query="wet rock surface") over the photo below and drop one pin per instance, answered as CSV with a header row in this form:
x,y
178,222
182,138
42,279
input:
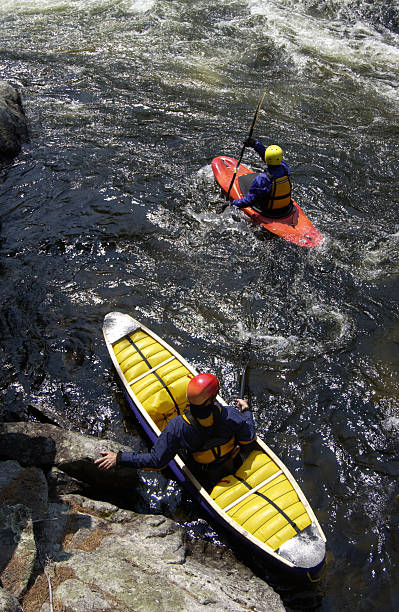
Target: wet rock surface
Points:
x,y
45,445
13,126
92,555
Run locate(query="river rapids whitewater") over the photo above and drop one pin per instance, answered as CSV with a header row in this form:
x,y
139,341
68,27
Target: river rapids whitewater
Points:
x,y
111,206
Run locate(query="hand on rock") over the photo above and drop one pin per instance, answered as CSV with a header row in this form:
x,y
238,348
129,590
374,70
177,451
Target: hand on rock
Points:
x,y
107,461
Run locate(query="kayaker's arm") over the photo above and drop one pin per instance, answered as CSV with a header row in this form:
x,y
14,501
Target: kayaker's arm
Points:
x,y
163,451
252,143
256,193
170,442
107,461
243,423
255,144
242,405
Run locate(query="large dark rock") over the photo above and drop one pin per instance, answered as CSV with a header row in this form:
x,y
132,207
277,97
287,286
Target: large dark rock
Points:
x,y
13,126
44,446
27,486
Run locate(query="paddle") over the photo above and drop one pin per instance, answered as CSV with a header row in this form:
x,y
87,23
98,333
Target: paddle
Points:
x,y
243,382
224,206
243,385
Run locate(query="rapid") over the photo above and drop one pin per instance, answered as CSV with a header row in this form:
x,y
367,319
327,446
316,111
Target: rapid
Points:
x,y
111,205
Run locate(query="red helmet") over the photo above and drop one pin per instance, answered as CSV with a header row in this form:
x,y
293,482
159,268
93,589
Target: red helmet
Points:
x,y
201,388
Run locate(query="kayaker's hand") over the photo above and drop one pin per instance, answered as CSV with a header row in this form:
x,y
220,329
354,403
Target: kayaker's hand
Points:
x,y
242,405
250,142
107,461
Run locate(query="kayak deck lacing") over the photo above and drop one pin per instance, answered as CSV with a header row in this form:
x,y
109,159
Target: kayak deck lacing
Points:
x,y
165,386
271,502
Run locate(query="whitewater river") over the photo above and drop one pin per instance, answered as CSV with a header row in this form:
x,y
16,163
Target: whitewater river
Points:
x,y
111,206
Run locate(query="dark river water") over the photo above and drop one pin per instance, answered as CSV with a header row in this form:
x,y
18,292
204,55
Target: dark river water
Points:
x,y
111,206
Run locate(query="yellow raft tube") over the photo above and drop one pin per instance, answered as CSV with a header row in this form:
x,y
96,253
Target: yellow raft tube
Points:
x,y
261,502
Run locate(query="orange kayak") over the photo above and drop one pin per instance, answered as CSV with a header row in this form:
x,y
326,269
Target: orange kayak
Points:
x,y
295,228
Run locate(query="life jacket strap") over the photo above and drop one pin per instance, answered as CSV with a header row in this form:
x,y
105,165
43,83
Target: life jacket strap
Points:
x,y
209,445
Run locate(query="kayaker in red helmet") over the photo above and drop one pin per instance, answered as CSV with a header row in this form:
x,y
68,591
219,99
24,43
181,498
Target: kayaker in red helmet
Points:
x,y
210,434
270,191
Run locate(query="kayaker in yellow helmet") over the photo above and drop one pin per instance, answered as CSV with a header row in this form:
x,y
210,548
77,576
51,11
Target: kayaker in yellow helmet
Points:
x,y
270,191
210,434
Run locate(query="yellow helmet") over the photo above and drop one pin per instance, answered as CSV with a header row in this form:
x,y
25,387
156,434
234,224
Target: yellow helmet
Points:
x,y
273,155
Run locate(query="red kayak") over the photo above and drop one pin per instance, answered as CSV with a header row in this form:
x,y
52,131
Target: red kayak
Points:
x,y
295,228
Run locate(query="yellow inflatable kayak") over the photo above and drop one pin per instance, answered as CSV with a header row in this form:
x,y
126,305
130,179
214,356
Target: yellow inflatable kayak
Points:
x,y
261,503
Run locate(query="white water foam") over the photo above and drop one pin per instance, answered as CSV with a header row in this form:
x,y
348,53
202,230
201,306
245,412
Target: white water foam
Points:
x,y
42,6
351,49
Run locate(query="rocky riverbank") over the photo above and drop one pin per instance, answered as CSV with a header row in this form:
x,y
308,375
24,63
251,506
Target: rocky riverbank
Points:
x,y
13,125
63,551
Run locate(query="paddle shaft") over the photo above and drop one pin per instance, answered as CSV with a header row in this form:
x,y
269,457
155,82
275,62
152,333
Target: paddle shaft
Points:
x,y
242,151
243,384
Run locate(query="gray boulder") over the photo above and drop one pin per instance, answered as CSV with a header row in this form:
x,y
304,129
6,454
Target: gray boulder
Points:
x,y
13,127
17,548
8,603
118,560
60,483
44,446
91,555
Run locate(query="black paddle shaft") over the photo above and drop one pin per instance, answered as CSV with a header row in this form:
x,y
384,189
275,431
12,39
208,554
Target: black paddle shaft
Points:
x,y
222,208
243,382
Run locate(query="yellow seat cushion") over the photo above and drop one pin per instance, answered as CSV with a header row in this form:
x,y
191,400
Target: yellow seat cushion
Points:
x,y
266,521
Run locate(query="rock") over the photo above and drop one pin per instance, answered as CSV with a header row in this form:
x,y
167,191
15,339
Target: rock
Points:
x,y
50,532
27,444
99,557
13,127
44,446
8,603
17,548
76,595
95,556
102,509
108,559
72,518
60,483
27,486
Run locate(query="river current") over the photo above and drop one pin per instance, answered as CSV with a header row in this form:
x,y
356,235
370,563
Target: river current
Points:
x,y
111,206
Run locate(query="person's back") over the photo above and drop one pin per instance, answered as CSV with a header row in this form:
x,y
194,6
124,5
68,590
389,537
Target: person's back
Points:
x,y
270,191
210,435
214,441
